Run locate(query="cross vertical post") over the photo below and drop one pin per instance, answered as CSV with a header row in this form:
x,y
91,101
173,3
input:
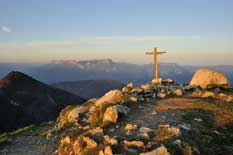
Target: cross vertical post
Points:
x,y
156,63
156,70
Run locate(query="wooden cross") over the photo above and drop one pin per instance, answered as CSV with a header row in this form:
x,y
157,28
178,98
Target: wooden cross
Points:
x,y
155,53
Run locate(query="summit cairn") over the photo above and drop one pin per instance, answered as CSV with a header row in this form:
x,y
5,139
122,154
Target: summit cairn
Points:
x,y
156,79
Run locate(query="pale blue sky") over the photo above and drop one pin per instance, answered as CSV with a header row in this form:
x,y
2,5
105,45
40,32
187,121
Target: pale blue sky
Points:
x,y
191,31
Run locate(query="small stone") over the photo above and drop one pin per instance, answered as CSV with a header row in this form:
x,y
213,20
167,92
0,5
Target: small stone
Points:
x,y
196,150
206,94
153,113
143,136
125,90
109,140
177,142
134,143
161,95
49,135
185,126
140,107
133,99
130,86
78,144
159,151
164,126
175,131
129,133
134,90
112,130
198,119
95,131
218,133
107,151
145,130
146,86
217,90
66,140
178,92
141,99
131,126
164,117
132,150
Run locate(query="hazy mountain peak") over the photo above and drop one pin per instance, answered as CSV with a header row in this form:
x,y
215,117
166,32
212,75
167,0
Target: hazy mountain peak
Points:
x,y
97,61
15,77
63,62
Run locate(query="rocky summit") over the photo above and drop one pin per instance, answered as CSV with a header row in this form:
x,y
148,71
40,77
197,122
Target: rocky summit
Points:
x,y
151,119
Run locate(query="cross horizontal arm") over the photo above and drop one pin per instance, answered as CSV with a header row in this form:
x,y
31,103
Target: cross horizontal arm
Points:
x,y
150,53
161,52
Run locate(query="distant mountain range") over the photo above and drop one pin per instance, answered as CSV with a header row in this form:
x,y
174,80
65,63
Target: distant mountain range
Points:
x,y
89,89
106,69
24,101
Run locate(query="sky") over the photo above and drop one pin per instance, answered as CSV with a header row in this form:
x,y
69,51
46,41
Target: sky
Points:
x,y
192,32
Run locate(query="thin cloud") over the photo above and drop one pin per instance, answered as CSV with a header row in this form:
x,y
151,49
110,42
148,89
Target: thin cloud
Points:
x,y
98,40
6,29
146,38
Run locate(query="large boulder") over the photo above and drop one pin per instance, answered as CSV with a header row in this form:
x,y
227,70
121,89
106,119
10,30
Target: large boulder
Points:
x,y
128,88
147,86
110,115
83,144
206,78
73,115
113,97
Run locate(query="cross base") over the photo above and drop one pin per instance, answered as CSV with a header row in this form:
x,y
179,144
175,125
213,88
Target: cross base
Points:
x,y
156,81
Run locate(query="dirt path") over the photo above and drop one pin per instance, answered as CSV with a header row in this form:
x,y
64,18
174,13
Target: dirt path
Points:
x,y
30,143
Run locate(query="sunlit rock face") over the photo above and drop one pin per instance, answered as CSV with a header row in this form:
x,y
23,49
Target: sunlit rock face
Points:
x,y
206,78
114,97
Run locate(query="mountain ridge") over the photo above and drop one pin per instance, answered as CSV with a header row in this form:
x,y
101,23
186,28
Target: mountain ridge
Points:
x,y
109,69
29,101
89,88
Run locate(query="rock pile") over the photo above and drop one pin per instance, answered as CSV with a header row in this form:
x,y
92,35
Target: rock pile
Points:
x,y
90,119
93,121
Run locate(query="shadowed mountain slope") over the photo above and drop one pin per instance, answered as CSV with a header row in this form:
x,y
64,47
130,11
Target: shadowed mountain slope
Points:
x,y
24,100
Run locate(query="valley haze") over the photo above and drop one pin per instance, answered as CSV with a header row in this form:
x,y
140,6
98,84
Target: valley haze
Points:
x,y
107,69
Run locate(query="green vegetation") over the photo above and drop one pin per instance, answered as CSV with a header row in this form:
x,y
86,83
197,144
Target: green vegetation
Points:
x,y
209,137
5,137
187,149
34,129
96,117
163,134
